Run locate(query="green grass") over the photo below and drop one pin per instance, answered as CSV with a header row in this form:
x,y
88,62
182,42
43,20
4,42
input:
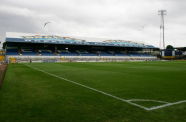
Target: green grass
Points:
x,y
33,96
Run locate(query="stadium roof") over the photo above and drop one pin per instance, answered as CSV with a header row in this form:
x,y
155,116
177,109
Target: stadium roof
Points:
x,y
56,39
180,48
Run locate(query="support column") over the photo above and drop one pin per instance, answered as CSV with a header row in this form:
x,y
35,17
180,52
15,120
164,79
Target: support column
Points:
x,y
55,49
125,51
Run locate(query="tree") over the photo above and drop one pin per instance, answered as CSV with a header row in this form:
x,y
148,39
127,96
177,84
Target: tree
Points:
x,y
4,45
169,47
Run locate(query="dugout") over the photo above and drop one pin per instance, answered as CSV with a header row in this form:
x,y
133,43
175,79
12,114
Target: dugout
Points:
x,y
176,53
167,54
180,52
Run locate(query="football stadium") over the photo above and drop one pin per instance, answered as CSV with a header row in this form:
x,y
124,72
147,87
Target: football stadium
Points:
x,y
59,78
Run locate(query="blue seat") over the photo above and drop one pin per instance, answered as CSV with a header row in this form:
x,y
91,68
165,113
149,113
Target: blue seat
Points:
x,y
45,52
85,53
28,52
12,52
134,54
145,55
104,53
119,54
66,53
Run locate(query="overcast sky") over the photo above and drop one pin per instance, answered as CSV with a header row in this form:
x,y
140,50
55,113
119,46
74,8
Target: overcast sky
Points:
x,y
110,19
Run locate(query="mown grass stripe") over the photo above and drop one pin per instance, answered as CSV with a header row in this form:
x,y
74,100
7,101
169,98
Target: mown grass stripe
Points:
x,y
91,88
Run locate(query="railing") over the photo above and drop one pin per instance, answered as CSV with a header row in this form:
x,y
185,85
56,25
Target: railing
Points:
x,y
76,58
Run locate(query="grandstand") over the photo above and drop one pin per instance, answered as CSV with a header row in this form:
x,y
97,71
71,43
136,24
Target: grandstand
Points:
x,y
23,47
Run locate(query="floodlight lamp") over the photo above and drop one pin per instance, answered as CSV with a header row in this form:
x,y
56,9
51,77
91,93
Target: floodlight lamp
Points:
x,y
162,12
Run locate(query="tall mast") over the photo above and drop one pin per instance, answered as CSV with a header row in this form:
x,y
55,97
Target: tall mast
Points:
x,y
162,13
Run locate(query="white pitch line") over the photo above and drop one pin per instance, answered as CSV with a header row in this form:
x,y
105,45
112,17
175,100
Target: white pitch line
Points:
x,y
148,100
127,101
165,105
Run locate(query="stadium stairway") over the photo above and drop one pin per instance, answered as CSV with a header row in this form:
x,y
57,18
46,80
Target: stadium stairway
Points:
x,y
19,51
55,52
37,52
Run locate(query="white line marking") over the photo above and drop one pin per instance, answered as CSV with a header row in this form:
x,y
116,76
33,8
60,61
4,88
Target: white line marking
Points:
x,y
127,101
148,100
165,105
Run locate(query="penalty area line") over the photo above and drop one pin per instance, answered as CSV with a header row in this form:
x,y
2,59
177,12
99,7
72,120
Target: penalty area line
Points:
x,y
168,104
110,95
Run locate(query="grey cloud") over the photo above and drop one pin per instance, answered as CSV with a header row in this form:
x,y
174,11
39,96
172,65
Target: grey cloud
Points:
x,y
119,19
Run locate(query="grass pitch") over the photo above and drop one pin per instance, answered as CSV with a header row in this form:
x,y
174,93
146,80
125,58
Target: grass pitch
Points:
x,y
32,95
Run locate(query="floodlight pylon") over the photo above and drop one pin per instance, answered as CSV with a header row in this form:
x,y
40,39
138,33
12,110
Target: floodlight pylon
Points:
x,y
162,13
